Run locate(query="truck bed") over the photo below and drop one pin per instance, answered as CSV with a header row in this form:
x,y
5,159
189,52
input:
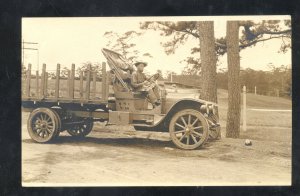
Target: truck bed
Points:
x,y
89,90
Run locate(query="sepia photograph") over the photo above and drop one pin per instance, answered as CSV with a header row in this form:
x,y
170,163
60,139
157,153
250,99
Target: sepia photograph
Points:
x,y
156,101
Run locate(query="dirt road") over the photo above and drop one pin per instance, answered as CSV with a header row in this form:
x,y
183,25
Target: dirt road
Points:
x,y
116,156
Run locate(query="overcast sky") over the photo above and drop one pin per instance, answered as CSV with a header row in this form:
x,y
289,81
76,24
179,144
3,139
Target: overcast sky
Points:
x,y
78,40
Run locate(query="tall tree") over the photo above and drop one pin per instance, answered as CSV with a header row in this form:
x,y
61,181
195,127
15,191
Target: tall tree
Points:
x,y
234,95
252,34
208,61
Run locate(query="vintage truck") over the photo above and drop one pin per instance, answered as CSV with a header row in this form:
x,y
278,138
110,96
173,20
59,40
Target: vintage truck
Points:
x,y
190,122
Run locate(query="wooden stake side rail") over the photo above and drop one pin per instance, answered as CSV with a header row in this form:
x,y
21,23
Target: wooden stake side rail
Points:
x,y
85,93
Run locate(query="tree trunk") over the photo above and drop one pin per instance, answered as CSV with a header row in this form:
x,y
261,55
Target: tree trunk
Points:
x,y
234,95
208,58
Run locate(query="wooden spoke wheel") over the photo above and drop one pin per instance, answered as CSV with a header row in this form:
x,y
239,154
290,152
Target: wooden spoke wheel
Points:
x,y
81,129
42,125
58,119
188,129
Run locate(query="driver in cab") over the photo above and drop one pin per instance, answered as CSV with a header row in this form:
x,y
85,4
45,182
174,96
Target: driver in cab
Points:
x,y
140,82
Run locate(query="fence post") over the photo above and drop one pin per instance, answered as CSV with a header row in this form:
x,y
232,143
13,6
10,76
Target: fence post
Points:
x,y
244,109
28,77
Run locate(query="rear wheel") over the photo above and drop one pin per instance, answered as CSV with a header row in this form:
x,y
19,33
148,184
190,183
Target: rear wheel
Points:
x,y
58,120
42,125
81,128
188,129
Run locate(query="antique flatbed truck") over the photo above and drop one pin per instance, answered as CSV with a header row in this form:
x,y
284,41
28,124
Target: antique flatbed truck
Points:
x,y
190,121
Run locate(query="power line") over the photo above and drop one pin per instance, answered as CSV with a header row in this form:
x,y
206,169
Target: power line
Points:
x,y
28,48
30,42
31,48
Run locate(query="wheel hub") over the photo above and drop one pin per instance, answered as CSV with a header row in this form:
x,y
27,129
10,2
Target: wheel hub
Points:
x,y
189,129
43,125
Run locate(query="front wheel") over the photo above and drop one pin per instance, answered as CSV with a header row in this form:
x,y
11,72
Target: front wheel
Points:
x,y
188,129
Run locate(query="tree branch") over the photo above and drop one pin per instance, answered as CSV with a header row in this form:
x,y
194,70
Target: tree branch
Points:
x,y
276,32
242,46
183,31
259,40
220,45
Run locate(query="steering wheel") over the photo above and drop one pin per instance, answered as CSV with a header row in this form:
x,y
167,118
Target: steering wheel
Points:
x,y
154,77
150,82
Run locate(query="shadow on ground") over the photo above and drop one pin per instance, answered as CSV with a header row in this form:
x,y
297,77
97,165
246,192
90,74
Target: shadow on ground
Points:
x,y
67,140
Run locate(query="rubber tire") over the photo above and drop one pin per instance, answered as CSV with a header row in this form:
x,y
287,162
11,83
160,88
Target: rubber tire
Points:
x,y
203,121
53,118
58,119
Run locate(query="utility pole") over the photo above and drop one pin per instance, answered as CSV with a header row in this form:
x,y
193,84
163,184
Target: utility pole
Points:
x,y
29,48
23,52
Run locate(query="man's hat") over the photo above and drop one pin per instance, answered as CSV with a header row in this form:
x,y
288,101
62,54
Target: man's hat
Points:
x,y
140,62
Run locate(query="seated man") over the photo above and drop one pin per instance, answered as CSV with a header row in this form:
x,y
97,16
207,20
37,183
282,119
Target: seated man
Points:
x,y
140,81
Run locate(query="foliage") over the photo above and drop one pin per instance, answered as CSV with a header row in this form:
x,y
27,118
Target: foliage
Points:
x,y
122,44
253,32
266,82
94,67
64,72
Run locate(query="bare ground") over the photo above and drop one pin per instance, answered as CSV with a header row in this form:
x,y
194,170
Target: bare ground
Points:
x,y
121,156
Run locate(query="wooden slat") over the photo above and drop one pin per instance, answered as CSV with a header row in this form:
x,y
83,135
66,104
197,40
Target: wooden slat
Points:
x,y
72,81
104,85
37,83
56,96
94,84
107,85
81,85
42,91
28,79
88,80
69,83
46,84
